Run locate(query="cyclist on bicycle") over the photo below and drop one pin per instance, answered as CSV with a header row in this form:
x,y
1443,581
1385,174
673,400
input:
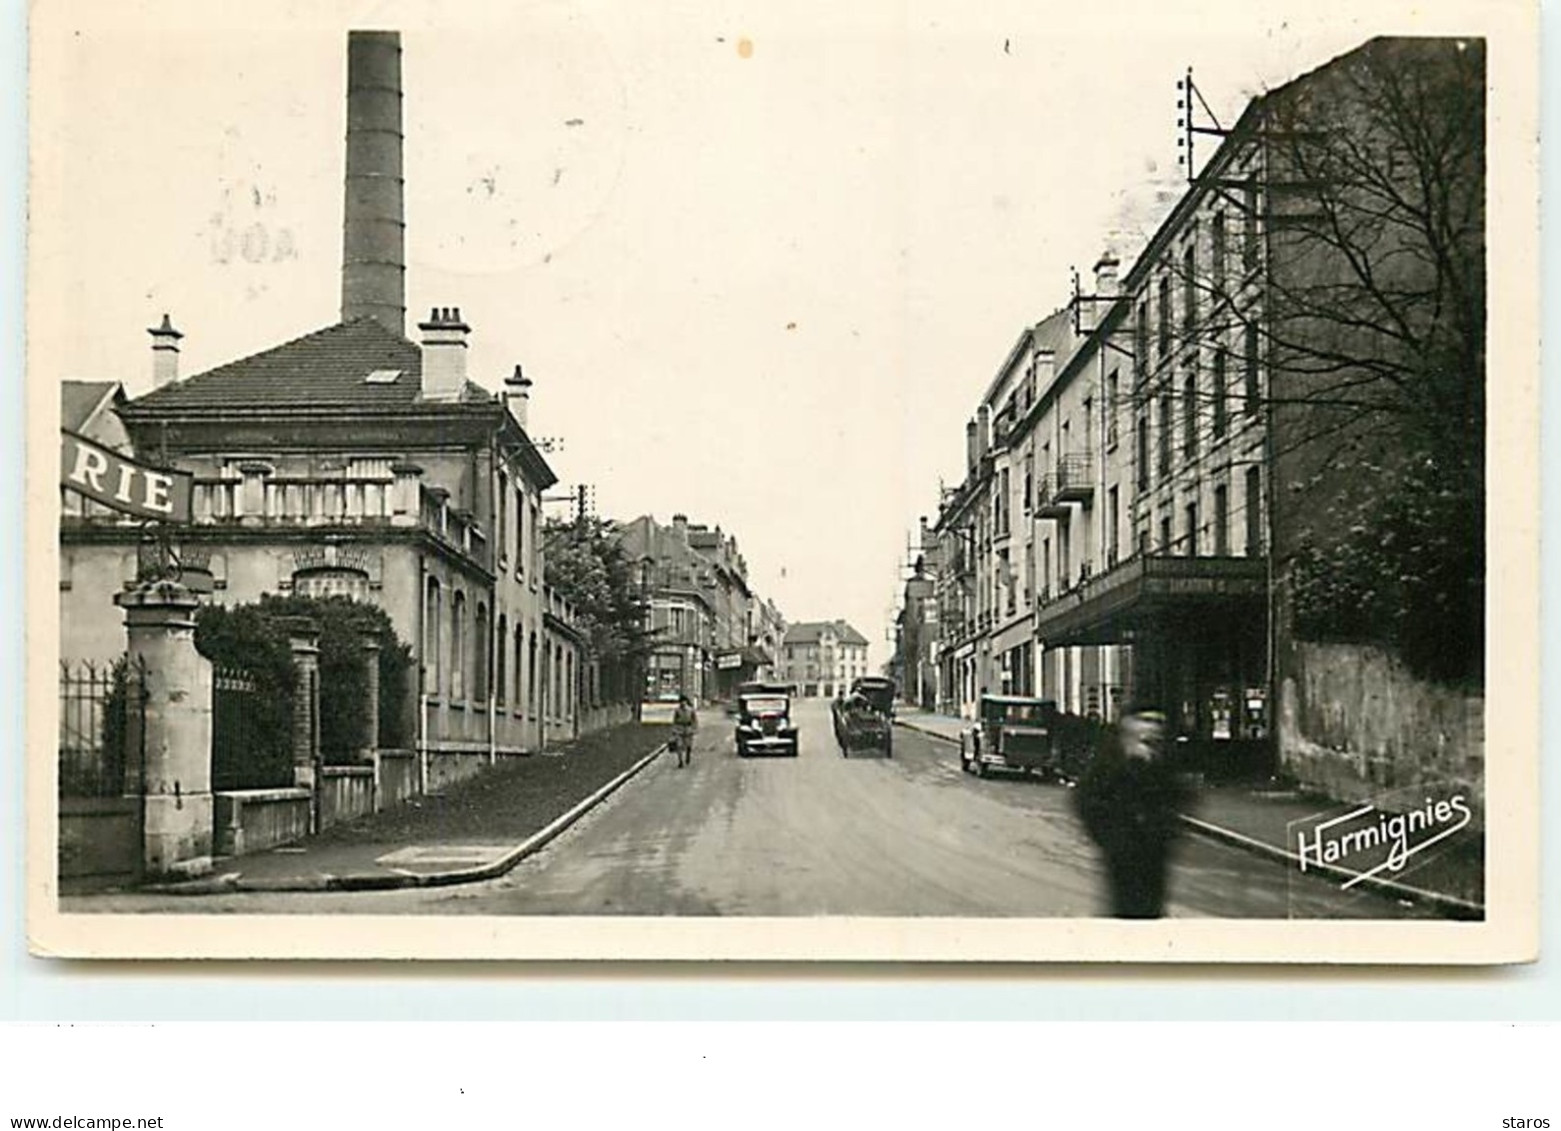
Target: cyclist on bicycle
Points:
x,y
685,721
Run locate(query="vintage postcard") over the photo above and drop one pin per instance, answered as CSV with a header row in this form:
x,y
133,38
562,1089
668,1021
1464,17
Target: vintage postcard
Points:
x,y
895,482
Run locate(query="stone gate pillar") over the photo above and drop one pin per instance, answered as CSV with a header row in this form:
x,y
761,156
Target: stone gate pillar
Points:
x,y
303,635
177,831
368,742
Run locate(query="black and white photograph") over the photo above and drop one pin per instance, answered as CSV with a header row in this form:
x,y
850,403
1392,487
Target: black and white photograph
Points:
x,y
583,480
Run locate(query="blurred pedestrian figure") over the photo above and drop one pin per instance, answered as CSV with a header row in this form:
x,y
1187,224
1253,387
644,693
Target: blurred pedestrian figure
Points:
x,y
1129,800
685,721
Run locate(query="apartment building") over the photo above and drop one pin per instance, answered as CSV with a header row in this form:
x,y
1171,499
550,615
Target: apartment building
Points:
x,y
1121,531
821,658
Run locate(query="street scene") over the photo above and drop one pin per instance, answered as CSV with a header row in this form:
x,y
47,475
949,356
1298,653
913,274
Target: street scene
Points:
x,y
478,541
819,835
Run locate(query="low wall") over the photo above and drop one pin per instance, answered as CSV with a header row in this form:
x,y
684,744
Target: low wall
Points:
x,y
1355,724
346,793
253,820
397,777
100,837
610,715
446,767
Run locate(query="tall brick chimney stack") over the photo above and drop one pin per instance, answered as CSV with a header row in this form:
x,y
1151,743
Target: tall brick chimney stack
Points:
x,y
373,278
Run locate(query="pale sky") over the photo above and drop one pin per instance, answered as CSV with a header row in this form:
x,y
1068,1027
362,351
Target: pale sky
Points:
x,y
760,259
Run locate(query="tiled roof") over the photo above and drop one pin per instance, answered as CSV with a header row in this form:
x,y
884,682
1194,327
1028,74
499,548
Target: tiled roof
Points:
x,y
325,368
80,399
809,632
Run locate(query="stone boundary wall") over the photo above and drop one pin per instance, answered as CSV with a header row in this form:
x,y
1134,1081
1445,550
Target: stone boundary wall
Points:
x,y
1354,724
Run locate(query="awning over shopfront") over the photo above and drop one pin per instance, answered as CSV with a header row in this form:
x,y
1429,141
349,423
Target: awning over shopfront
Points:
x,y
1113,607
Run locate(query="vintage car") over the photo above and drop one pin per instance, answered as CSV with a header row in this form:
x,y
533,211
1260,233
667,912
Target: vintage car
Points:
x,y
1012,732
878,690
864,718
764,723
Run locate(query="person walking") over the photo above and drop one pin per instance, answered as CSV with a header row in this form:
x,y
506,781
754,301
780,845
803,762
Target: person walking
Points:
x,y
685,721
1130,799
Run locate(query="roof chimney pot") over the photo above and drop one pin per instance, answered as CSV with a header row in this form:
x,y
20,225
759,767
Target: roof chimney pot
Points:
x,y
517,395
444,355
165,353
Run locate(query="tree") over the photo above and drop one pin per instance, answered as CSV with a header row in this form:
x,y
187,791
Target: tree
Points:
x,y
252,637
586,563
343,623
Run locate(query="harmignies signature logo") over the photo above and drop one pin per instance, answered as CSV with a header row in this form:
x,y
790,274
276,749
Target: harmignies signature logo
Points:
x,y
1370,840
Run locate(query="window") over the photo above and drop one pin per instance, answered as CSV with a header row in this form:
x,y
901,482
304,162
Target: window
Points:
x,y
1164,313
1217,394
458,646
1046,568
499,519
1113,517
1192,530
1064,557
1190,414
1217,254
432,638
520,529
520,657
531,673
1111,409
1141,340
1254,507
1029,571
500,655
536,544
1190,289
1165,534
1143,453
1221,521
1165,436
1251,390
1000,505
1249,245
558,679
483,649
1029,482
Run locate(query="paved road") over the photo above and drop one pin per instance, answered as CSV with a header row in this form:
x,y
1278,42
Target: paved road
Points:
x,y
825,835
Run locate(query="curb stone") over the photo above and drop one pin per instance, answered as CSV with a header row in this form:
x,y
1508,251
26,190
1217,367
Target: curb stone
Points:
x,y
1449,905
387,881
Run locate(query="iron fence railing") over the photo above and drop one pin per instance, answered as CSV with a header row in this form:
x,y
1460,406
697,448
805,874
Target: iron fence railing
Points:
x,y
102,714
249,733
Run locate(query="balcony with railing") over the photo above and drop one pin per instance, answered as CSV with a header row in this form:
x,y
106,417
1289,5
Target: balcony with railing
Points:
x,y
257,499
1047,505
1075,480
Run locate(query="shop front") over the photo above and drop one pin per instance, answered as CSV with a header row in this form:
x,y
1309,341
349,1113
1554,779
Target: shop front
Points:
x,y
1196,635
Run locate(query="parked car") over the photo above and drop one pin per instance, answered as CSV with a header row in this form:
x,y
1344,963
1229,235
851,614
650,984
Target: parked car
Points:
x,y
1012,732
764,723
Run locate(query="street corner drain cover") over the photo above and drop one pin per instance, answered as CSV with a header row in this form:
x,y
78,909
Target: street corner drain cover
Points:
x,y
443,855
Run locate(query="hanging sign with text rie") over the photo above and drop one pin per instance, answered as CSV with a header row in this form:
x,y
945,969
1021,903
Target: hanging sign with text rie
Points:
x,y
123,484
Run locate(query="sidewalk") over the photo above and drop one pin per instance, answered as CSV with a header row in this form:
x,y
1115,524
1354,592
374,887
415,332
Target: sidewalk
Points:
x,y
476,829
1267,820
